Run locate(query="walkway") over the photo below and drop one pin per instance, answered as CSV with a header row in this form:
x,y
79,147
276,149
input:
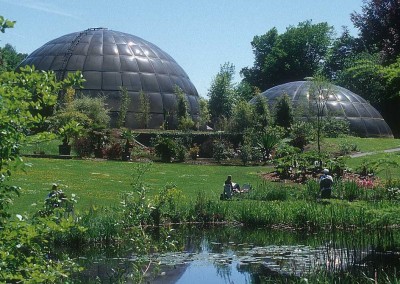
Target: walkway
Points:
x,y
375,152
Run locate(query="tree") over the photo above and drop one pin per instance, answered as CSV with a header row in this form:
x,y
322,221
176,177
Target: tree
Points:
x,y
185,122
291,56
221,93
261,113
24,246
284,112
319,93
379,27
204,118
144,114
10,58
343,49
242,118
123,108
5,24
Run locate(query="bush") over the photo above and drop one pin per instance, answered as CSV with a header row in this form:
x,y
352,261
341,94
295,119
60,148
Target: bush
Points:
x,y
165,147
222,150
301,134
113,151
333,127
83,146
346,147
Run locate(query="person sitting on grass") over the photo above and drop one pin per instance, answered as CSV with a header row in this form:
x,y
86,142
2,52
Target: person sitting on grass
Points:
x,y
325,184
235,186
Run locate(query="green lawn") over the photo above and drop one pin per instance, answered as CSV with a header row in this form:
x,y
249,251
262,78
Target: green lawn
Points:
x,y
363,144
99,182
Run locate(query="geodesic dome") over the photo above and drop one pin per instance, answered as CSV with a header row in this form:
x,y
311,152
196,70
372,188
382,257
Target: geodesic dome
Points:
x,y
110,60
363,118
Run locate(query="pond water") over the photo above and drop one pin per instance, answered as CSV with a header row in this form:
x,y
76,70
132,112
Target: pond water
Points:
x,y
234,254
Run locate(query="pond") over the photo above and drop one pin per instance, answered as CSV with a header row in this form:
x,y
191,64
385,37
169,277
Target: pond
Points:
x,y
235,254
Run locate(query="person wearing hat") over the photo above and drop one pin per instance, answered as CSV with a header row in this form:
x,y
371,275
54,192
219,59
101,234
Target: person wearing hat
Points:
x,y
235,186
325,184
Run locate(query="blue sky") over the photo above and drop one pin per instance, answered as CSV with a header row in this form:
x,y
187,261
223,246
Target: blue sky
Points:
x,y
200,35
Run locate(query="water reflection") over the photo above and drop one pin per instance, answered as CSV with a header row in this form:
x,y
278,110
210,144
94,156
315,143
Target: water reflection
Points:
x,y
229,254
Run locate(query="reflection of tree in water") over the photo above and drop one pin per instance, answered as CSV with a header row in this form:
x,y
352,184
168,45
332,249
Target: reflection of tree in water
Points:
x,y
224,270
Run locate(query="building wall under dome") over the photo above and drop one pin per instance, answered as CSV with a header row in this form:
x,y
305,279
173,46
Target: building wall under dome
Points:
x,y
364,119
110,60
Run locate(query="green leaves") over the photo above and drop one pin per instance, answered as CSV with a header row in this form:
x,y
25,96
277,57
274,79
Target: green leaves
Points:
x,y
5,24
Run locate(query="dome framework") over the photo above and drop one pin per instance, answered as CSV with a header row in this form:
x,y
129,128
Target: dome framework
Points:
x,y
364,119
111,60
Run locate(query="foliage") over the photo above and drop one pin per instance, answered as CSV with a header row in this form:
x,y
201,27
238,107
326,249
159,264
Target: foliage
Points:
x,y
10,58
245,92
333,127
241,117
346,147
291,56
69,131
165,148
95,109
113,151
124,105
283,112
5,24
319,93
261,113
221,93
222,150
268,142
301,133
83,146
194,152
205,116
378,23
343,49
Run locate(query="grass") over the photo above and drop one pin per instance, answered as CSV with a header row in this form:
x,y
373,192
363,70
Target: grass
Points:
x,y
363,144
100,182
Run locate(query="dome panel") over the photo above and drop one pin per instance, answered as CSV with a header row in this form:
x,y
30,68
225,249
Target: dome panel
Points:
x,y
131,81
93,63
364,119
110,60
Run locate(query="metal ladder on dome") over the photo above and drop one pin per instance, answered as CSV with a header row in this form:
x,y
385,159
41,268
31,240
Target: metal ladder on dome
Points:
x,y
68,53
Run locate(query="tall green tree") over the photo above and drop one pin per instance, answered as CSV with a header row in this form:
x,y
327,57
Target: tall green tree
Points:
x,y
185,122
379,26
204,117
10,58
261,113
242,117
221,93
283,112
319,93
343,49
144,114
291,56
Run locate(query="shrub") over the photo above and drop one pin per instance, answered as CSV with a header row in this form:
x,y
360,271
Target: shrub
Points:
x,y
222,150
301,133
333,127
346,147
165,147
194,152
83,146
113,151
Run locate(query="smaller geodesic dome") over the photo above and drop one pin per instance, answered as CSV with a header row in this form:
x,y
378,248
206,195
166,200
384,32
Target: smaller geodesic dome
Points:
x,y
364,119
111,60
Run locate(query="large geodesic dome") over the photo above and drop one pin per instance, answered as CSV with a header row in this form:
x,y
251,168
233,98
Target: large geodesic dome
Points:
x,y
364,119
111,60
